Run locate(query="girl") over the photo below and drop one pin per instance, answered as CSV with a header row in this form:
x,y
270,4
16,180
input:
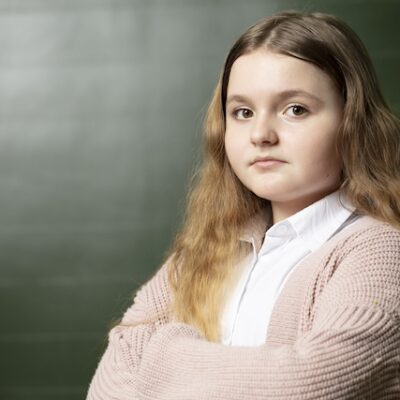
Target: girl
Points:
x,y
284,281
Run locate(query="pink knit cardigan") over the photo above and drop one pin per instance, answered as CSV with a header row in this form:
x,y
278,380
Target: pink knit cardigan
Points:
x,y
334,334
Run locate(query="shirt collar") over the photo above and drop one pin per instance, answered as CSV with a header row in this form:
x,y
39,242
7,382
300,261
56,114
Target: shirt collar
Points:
x,y
256,226
314,224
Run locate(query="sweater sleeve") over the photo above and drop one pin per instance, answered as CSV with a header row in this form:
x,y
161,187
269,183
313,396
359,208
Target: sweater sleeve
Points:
x,y
350,351
115,376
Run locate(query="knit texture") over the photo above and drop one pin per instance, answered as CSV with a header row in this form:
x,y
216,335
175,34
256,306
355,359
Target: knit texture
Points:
x,y
334,333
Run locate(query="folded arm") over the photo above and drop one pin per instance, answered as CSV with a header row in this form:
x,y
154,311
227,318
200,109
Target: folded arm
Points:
x,y
352,350
115,376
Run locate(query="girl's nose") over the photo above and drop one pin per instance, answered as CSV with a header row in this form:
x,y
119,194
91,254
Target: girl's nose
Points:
x,y
264,132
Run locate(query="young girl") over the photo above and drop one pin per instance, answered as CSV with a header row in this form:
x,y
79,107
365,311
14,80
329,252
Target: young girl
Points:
x,y
284,281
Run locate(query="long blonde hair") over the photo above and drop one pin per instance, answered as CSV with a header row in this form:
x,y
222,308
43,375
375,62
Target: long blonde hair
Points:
x,y
207,247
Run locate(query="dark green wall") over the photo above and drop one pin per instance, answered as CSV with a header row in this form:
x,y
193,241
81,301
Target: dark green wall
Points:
x,y
100,111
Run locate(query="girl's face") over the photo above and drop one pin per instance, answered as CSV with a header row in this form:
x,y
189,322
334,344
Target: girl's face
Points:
x,y
283,108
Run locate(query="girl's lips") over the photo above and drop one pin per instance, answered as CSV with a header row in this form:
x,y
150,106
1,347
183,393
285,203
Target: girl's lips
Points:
x,y
267,163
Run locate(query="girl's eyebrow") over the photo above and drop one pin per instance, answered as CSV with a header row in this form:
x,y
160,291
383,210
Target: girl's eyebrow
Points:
x,y
281,95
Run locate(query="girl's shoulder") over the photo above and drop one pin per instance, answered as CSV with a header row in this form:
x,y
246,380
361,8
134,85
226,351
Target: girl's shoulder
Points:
x,y
370,250
367,230
364,267
367,247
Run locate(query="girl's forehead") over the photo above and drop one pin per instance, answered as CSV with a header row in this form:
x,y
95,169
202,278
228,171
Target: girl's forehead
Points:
x,y
264,70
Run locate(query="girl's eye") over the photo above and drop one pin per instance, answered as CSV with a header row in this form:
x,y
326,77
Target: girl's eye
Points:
x,y
297,110
243,113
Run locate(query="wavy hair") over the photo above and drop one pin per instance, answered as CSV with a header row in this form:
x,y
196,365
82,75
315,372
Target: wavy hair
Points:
x,y
205,250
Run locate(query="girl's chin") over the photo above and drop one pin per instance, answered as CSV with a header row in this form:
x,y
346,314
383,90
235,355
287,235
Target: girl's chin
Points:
x,y
273,194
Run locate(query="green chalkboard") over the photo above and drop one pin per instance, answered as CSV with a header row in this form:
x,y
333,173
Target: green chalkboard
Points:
x,y
101,104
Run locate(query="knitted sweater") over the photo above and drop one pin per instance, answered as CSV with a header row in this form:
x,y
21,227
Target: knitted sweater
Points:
x,y
334,333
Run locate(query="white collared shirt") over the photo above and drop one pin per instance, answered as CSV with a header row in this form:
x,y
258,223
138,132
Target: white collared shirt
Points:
x,y
247,313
